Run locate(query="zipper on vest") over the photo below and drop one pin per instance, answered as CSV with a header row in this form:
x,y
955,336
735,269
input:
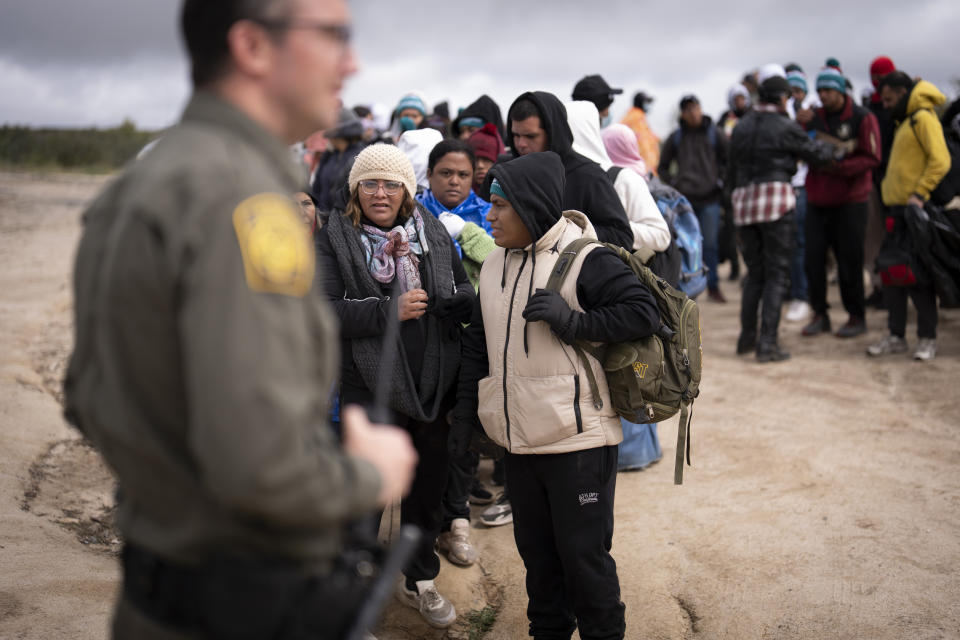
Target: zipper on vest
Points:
x,y
576,402
506,343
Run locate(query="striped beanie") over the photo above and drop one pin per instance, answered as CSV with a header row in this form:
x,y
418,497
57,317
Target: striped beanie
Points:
x,y
797,79
411,101
831,78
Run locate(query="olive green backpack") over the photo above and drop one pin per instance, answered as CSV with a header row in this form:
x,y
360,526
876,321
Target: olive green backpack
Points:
x,y
653,378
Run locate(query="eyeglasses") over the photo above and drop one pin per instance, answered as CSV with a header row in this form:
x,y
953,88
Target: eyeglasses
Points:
x,y
390,187
342,33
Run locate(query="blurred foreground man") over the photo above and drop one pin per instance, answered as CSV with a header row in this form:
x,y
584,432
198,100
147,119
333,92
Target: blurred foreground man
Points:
x,y
205,357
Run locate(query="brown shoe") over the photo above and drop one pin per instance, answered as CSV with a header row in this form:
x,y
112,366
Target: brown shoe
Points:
x,y
819,324
715,295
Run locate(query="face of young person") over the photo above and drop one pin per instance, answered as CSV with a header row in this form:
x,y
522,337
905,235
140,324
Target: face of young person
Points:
x,y
307,209
483,165
413,114
451,179
692,115
890,96
832,99
382,206
529,136
508,230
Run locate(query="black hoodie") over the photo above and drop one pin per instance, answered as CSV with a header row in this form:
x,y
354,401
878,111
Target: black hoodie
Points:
x,y
484,108
588,189
617,306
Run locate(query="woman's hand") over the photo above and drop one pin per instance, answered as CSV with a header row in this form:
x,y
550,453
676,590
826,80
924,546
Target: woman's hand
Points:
x,y
412,304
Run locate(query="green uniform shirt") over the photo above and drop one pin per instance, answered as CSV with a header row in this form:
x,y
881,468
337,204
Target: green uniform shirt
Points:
x,y
205,356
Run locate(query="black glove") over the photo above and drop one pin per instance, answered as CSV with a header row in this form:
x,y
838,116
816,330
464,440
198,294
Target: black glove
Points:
x,y
459,308
550,307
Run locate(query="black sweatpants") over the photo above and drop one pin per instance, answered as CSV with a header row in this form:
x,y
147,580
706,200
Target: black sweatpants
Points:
x,y
767,250
460,474
842,229
563,525
924,299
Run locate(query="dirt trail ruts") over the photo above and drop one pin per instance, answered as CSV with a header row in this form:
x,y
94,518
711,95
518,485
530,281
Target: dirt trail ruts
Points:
x,y
824,501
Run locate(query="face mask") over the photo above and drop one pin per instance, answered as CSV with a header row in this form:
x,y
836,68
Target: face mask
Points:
x,y
605,121
407,124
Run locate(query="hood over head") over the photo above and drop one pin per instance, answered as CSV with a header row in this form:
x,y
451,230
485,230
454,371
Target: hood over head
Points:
x,y
553,120
533,185
620,142
484,108
924,95
417,145
738,90
584,121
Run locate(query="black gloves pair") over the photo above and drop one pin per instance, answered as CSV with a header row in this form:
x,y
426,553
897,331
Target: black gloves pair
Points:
x,y
550,307
467,434
458,308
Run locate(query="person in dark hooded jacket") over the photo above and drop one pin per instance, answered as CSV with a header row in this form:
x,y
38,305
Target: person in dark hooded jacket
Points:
x,y
346,141
537,121
481,111
524,383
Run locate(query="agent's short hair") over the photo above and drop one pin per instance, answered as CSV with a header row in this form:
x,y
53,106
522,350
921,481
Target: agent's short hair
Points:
x,y
450,145
204,25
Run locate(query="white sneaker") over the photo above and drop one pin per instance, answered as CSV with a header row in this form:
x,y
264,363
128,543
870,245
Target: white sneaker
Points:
x,y
499,513
926,349
797,311
456,543
433,607
889,345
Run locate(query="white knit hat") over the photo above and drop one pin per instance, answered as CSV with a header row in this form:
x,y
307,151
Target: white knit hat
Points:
x,y
383,162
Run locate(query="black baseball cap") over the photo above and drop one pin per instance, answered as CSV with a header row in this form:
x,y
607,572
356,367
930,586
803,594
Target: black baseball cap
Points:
x,y
688,99
596,90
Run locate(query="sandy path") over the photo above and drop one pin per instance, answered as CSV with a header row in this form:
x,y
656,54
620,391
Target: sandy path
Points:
x,y
824,501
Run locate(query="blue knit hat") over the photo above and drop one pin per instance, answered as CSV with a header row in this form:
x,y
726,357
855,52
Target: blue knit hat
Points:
x,y
411,102
831,78
797,79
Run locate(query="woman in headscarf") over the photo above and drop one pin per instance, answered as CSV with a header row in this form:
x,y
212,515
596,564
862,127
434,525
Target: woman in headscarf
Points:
x,y
384,260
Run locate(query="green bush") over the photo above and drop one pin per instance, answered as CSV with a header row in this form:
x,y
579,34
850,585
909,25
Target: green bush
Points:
x,y
71,149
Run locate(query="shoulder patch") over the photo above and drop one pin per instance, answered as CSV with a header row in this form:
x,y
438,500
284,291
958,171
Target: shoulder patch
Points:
x,y
277,254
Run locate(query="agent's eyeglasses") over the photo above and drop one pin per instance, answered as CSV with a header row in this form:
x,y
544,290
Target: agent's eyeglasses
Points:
x,y
341,33
370,187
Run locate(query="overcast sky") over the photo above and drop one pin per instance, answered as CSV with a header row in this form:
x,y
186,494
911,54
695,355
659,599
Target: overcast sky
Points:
x,y
97,62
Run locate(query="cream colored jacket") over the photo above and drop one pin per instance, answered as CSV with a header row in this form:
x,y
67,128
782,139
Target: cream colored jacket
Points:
x,y
538,400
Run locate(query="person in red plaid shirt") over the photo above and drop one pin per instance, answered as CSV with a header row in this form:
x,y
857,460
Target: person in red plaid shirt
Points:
x,y
764,150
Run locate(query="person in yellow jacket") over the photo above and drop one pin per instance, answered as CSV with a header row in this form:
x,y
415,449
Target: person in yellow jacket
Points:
x,y
919,160
647,141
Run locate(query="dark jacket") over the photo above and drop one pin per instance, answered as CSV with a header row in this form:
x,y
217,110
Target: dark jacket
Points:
x,y
484,108
701,155
429,346
331,173
765,147
849,180
617,306
588,189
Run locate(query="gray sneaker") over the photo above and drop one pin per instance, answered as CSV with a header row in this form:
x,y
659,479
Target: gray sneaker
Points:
x,y
433,607
456,543
889,345
926,349
500,513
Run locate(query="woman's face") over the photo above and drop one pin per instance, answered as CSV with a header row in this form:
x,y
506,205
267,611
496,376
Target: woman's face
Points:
x,y
307,210
507,228
380,200
451,179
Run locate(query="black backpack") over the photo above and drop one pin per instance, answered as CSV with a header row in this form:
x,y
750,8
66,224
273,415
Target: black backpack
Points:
x,y
949,186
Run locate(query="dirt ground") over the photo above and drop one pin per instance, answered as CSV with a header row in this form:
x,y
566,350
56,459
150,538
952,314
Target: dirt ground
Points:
x,y
824,500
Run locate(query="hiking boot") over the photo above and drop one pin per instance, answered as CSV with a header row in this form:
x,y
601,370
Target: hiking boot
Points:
x,y
771,353
926,349
797,311
715,295
889,345
819,324
746,344
499,514
456,543
478,494
433,607
854,327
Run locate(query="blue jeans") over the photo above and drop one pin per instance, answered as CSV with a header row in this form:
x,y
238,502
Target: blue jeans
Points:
x,y
798,277
640,447
709,215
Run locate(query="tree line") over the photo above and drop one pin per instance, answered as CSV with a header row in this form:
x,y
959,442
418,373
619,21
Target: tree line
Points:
x,y
71,149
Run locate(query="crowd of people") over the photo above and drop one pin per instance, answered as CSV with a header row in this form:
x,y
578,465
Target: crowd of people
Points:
x,y
225,344
422,213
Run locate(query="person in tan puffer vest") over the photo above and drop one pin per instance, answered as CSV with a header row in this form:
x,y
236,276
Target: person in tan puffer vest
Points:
x,y
521,379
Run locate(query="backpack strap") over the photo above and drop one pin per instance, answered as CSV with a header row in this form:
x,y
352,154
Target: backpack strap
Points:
x,y
613,171
683,440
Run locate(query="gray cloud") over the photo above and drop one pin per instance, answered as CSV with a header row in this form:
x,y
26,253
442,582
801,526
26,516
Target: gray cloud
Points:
x,y
96,62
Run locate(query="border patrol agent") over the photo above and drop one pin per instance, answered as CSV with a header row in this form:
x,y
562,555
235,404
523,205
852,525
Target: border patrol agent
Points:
x,y
205,355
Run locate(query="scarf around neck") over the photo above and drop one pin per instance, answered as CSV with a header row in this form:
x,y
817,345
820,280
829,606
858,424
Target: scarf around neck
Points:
x,y
396,253
472,209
